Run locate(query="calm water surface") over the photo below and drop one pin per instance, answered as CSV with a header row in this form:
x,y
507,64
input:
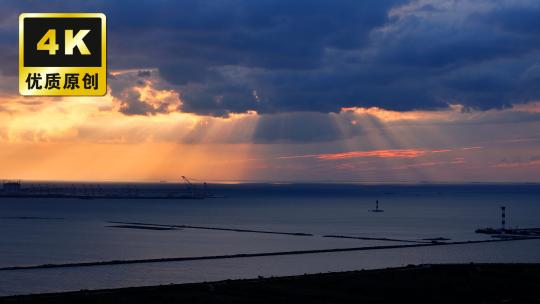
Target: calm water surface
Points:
x,y
42,231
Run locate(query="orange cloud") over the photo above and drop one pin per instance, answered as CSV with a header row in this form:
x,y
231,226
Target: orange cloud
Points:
x,y
518,164
395,153
455,161
471,148
407,153
452,113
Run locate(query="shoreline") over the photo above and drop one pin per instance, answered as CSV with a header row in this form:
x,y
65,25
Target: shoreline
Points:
x,y
437,283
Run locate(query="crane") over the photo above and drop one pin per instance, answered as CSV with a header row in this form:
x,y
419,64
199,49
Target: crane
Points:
x,y
189,185
194,188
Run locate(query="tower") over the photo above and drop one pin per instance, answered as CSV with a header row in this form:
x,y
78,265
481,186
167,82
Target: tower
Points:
x,y
377,207
503,219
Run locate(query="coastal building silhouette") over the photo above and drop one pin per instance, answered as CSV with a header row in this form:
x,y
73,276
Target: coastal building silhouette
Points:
x,y
11,187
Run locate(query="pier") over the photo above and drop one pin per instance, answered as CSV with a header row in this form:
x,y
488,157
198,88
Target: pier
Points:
x,y
504,232
212,228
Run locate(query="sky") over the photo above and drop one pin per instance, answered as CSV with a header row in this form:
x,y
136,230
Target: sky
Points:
x,y
283,91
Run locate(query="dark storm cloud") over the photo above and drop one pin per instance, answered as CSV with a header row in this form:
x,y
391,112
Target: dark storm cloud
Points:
x,y
289,56
126,90
302,127
519,19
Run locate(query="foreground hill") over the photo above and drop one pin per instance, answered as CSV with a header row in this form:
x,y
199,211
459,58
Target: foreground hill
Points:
x,y
470,283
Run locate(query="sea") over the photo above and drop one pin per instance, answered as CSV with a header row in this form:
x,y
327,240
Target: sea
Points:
x,y
41,231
